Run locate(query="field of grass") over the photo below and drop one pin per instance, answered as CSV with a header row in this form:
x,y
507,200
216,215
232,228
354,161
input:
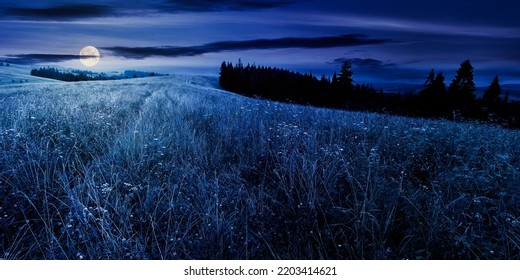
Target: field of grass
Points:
x,y
174,168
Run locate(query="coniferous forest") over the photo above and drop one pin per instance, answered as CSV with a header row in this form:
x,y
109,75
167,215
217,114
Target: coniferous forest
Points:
x,y
78,76
457,101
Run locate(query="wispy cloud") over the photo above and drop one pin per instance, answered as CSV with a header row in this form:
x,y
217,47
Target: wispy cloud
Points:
x,y
71,11
224,5
364,62
411,25
378,71
172,51
308,43
44,58
62,12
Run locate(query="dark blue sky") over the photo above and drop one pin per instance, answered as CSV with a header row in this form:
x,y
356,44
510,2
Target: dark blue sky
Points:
x,y
386,41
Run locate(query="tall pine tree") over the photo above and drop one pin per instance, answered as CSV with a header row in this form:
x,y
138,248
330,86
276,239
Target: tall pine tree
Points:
x,y
345,76
462,87
491,95
431,100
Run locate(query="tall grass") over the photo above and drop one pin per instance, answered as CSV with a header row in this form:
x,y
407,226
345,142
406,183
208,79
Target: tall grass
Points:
x,y
173,168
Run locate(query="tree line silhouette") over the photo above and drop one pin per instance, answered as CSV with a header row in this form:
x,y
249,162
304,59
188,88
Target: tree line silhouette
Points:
x,y
77,75
436,100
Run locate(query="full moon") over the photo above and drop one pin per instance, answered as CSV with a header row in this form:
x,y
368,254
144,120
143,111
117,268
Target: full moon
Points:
x,y
89,56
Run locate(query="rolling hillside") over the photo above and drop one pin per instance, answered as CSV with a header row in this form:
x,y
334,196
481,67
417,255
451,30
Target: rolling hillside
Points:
x,y
175,168
19,74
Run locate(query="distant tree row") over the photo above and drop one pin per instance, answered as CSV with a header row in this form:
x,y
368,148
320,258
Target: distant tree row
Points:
x,y
288,86
54,73
456,101
76,75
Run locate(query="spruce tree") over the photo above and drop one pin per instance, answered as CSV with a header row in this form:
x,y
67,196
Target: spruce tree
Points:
x,y
438,84
345,76
491,95
462,87
430,80
431,100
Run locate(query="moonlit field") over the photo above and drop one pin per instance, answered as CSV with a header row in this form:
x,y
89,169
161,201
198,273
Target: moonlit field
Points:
x,y
174,168
259,130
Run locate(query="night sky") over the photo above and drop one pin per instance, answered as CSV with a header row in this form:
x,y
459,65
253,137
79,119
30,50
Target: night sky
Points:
x,y
396,41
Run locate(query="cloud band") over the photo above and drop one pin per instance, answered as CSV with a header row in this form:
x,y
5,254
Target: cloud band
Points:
x,y
259,44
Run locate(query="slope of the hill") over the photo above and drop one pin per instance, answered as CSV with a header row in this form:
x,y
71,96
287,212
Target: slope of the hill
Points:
x,y
19,74
174,168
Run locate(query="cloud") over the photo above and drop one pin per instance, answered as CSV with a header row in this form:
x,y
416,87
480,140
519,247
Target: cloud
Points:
x,y
72,11
224,5
457,13
259,44
263,4
63,12
364,62
376,71
43,58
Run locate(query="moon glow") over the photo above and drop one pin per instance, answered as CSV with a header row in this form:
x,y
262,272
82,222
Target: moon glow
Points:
x,y
89,56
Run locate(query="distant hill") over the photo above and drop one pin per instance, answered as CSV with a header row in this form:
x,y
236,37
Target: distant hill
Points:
x,y
398,87
514,89
75,75
18,74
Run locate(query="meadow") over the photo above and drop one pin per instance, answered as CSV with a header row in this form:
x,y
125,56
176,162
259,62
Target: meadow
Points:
x,y
175,168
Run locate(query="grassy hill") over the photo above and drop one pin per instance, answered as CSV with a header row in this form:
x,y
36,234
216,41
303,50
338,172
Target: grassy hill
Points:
x,y
174,168
19,74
